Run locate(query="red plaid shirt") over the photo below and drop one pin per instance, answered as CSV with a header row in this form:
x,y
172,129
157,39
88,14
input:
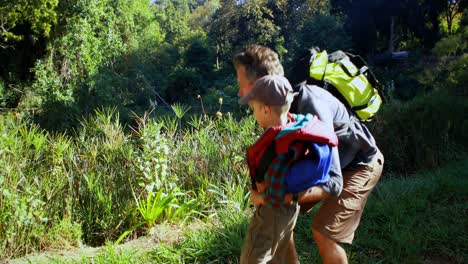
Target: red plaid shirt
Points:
x,y
275,176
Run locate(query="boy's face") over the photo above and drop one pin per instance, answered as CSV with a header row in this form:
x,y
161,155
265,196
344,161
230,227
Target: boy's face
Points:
x,y
261,112
245,86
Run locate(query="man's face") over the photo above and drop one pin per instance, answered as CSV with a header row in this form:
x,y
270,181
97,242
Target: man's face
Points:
x,y
244,84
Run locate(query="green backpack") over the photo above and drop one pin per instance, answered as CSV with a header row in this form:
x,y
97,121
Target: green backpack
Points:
x,y
348,78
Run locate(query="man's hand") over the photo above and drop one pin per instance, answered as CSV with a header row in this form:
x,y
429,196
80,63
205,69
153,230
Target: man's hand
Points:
x,y
256,198
311,195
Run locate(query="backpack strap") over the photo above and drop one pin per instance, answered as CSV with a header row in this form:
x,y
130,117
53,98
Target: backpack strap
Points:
x,y
364,106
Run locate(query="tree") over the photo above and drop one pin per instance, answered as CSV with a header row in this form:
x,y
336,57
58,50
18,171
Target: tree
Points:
x,y
202,16
38,16
25,27
410,21
237,24
324,31
291,16
454,8
102,58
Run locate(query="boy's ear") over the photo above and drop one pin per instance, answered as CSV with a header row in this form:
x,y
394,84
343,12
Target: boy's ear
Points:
x,y
267,109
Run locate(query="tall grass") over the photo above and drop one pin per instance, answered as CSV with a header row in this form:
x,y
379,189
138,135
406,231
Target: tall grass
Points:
x,y
100,181
417,220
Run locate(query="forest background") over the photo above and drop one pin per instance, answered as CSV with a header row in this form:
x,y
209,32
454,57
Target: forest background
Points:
x,y
117,116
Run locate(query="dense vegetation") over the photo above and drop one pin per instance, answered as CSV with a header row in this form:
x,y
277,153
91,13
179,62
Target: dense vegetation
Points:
x,y
119,115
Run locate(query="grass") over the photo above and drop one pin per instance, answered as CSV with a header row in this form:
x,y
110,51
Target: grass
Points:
x,y
82,189
93,178
409,220
416,220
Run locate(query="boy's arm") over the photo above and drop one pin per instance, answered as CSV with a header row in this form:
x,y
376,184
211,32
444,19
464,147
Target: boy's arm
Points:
x,y
256,198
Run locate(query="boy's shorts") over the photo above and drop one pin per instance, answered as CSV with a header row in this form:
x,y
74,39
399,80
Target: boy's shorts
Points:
x,y
268,235
339,217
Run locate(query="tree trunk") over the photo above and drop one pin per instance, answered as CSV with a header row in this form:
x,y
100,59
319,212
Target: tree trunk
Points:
x,y
392,38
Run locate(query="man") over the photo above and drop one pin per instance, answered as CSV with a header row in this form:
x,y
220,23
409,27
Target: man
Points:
x,y
345,194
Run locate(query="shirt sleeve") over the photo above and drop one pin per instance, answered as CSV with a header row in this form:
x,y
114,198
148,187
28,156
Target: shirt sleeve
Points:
x,y
316,104
334,185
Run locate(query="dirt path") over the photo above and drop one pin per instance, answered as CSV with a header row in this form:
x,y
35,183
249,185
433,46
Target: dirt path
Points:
x,y
164,233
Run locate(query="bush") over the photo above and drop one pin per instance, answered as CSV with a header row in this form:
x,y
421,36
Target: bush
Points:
x,y
56,189
423,133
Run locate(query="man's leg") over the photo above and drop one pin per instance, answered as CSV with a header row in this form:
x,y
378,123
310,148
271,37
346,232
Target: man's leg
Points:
x,y
330,251
339,217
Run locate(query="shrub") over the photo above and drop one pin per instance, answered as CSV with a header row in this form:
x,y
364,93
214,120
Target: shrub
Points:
x,y
423,133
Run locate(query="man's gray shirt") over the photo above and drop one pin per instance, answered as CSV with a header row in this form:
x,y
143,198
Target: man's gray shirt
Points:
x,y
356,144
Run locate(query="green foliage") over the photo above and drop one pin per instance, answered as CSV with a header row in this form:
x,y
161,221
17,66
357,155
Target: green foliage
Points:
x,y
29,192
113,254
3,97
201,17
236,25
98,61
152,209
55,189
458,75
39,15
449,46
173,17
104,203
324,31
450,70
422,134
220,241
152,161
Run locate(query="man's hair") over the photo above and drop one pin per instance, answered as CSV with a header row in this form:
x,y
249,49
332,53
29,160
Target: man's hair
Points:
x,y
258,62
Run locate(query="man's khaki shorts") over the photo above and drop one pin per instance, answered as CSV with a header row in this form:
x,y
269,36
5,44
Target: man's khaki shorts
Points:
x,y
339,217
268,235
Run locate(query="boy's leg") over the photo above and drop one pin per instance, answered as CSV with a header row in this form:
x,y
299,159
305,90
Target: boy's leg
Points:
x,y
268,234
339,217
291,255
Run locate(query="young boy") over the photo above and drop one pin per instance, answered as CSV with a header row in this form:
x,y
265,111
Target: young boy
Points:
x,y
293,154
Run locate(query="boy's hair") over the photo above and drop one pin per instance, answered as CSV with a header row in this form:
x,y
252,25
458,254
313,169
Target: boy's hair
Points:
x,y
258,62
281,109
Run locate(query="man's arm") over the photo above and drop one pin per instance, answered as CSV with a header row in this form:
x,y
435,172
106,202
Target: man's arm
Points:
x,y
334,185
321,104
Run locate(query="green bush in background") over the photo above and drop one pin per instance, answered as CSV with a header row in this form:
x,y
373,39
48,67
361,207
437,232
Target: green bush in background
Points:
x,y
423,133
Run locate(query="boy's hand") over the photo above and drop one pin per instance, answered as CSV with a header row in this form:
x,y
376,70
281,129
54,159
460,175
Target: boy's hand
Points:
x,y
256,198
260,186
288,198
